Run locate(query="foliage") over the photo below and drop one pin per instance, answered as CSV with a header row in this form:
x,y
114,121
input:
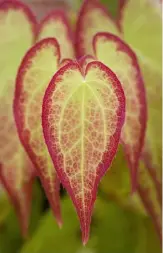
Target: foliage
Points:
x,y
121,222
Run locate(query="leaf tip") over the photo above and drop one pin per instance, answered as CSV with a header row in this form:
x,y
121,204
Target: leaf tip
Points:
x,y
134,181
59,221
85,236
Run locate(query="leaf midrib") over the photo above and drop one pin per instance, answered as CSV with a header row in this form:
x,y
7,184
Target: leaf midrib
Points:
x,y
82,145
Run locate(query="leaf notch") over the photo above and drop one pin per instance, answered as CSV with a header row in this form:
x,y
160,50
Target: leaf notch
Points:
x,y
72,152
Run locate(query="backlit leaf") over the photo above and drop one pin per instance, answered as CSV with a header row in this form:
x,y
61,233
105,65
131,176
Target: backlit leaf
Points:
x,y
16,169
56,25
117,55
83,113
93,18
35,72
142,19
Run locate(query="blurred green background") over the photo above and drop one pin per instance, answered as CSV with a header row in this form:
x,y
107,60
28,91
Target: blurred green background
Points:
x,y
119,222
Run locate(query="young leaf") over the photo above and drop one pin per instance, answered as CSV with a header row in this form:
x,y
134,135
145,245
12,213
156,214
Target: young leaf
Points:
x,y
83,114
93,18
56,24
35,72
141,19
117,55
16,169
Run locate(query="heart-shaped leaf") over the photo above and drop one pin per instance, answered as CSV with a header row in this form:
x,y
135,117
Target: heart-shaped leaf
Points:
x,y
56,24
16,169
117,55
140,19
83,113
36,70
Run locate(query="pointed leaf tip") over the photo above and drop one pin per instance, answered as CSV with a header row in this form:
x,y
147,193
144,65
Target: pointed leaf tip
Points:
x,y
35,72
116,54
82,119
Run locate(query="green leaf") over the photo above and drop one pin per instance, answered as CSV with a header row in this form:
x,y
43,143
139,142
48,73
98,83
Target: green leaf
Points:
x,y
118,230
9,228
4,206
49,238
113,230
142,19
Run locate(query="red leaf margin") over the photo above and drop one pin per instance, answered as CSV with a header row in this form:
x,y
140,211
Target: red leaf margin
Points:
x,y
22,212
121,6
19,122
124,47
85,6
108,156
15,4
54,15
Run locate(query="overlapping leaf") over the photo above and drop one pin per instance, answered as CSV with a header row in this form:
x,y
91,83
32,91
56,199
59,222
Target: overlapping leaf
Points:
x,y
114,53
132,137
143,11
140,19
16,170
45,62
93,18
35,72
56,25
83,113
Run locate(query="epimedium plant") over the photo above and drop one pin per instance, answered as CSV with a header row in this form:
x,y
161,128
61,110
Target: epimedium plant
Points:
x,y
132,23
72,113
13,16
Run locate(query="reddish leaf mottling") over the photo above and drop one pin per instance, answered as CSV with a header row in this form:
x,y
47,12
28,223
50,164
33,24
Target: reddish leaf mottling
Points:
x,y
35,72
133,133
82,148
16,172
